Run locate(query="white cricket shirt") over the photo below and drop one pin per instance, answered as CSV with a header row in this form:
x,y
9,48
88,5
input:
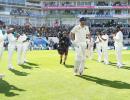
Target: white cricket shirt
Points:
x,y
80,33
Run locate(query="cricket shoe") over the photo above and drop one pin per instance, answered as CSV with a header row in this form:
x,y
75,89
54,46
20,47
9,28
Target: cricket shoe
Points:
x,y
119,65
1,76
10,67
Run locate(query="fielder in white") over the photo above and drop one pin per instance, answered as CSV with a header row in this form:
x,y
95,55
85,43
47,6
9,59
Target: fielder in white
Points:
x,y
118,38
22,47
26,44
11,46
1,44
78,36
104,45
90,45
99,46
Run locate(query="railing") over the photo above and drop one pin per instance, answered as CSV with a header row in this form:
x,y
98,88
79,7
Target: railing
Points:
x,y
105,16
84,7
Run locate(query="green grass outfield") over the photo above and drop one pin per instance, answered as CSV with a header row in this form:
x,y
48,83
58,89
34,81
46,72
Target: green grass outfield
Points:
x,y
45,79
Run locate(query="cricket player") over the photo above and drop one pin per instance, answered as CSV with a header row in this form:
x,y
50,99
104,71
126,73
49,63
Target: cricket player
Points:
x,y
26,44
1,39
118,38
28,29
78,36
99,46
1,44
90,45
104,44
11,46
22,46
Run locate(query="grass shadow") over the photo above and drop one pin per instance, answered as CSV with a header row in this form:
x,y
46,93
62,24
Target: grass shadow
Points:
x,y
26,67
6,89
108,83
95,60
19,73
72,66
69,66
112,63
32,64
123,67
126,67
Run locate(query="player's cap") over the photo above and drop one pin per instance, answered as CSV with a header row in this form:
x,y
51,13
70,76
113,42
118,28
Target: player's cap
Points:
x,y
82,19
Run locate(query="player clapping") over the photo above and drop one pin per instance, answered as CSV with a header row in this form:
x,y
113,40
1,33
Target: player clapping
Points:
x,y
12,37
104,44
118,38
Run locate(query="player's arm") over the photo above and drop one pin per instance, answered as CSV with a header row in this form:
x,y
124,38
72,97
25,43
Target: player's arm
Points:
x,y
27,39
72,36
17,36
99,37
88,33
72,33
11,36
0,39
116,37
0,36
96,41
104,39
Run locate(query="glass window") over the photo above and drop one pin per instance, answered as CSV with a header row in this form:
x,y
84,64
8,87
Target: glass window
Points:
x,y
125,12
117,11
87,3
16,1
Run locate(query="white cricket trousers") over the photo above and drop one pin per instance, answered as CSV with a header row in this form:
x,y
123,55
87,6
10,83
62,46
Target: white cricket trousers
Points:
x,y
105,54
80,58
11,48
25,49
118,50
98,46
22,50
1,50
90,51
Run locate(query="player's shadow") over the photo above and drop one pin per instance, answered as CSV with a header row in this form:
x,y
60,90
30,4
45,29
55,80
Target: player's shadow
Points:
x,y
6,89
126,67
94,60
123,67
26,67
97,61
71,66
108,83
112,63
19,73
32,64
